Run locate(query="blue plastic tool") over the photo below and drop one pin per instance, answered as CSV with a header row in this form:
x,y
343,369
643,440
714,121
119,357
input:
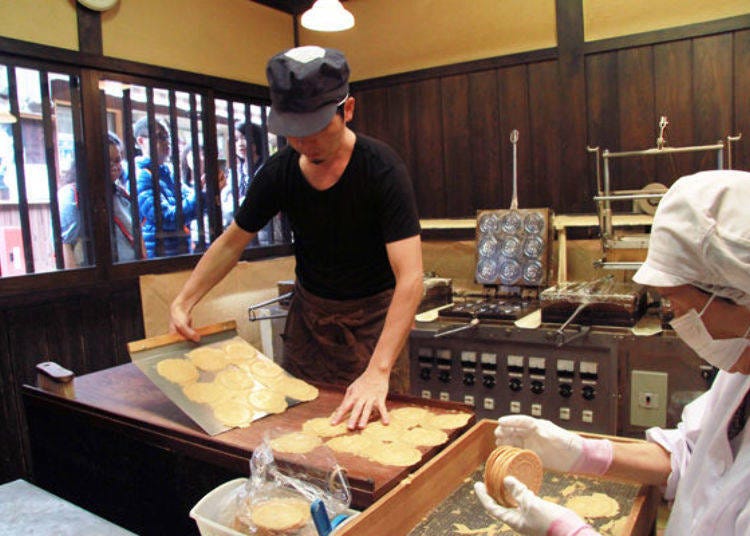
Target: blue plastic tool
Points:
x,y
320,518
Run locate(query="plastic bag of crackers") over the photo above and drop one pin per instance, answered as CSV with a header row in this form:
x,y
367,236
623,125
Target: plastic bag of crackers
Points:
x,y
276,499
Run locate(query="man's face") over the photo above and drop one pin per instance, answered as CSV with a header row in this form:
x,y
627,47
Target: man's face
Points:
x,y
320,147
163,144
115,162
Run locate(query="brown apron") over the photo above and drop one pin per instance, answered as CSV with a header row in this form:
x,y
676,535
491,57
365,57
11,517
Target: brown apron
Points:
x,y
332,340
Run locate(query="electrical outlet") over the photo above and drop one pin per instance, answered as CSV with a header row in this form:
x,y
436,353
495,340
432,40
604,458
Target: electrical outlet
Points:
x,y
648,397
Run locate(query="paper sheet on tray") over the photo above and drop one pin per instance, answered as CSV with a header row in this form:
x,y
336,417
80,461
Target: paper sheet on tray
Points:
x,y
148,359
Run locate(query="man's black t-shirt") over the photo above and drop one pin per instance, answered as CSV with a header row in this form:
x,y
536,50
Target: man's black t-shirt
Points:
x,y
339,233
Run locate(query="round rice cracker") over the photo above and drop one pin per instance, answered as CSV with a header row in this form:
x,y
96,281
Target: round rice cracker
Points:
x,y
321,427
233,413
236,346
381,432
266,371
395,454
208,359
352,444
424,437
296,389
267,401
448,421
507,460
177,370
234,379
240,352
410,415
280,515
296,443
203,392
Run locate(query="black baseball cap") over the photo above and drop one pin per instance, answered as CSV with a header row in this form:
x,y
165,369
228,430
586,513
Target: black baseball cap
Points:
x,y
307,84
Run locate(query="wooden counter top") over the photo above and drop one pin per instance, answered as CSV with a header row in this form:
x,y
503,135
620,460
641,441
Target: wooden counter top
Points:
x,y
124,398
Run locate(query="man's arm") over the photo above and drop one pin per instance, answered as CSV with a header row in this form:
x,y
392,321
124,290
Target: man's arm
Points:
x,y
213,266
369,391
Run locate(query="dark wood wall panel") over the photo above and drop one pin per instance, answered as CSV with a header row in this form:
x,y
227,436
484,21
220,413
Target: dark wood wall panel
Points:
x,y
673,99
515,113
12,463
453,129
83,332
486,140
741,99
542,188
712,87
637,117
457,146
427,166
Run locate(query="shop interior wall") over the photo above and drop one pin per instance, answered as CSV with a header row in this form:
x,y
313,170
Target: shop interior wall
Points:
x,y
451,125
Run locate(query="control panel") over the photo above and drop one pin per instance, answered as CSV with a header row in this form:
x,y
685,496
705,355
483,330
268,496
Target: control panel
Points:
x,y
500,371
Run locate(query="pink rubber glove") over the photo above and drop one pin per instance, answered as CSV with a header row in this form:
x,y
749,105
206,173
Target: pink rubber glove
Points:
x,y
559,449
533,516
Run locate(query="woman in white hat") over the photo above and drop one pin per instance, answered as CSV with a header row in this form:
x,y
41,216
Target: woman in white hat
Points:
x,y
698,258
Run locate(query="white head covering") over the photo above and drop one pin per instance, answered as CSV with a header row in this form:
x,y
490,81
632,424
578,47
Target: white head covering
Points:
x,y
701,236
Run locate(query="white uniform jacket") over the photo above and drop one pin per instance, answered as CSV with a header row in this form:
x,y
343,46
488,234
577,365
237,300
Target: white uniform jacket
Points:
x,y
710,486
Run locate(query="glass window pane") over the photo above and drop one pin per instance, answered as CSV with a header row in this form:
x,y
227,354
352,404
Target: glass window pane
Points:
x,y
246,146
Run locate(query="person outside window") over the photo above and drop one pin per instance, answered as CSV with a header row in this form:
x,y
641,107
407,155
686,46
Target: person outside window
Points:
x,y
70,220
244,171
351,207
122,223
173,237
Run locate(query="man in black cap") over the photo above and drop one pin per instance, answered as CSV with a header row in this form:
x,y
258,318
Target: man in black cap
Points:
x,y
351,207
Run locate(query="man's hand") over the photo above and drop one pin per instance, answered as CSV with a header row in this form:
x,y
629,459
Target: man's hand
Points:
x,y
181,322
365,394
533,516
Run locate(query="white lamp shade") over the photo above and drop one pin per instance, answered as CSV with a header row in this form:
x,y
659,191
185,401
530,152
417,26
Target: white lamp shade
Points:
x,y
327,16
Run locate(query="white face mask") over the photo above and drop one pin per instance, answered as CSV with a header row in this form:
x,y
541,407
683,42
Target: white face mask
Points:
x,y
721,353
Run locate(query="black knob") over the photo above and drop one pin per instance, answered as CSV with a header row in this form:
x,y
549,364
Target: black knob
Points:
x,y
589,393
537,387
424,373
488,381
565,390
515,384
444,376
469,379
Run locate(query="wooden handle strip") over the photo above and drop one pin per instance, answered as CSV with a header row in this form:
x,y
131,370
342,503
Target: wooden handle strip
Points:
x,y
171,338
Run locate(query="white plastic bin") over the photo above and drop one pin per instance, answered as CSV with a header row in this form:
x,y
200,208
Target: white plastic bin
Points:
x,y
208,510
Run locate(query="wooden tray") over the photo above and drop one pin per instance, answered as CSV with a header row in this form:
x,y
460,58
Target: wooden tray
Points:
x,y
417,495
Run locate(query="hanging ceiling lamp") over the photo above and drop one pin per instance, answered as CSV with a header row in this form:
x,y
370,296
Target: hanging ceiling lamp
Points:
x,y
327,16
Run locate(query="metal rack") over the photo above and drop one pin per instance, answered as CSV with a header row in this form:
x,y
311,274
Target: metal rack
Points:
x,y
606,195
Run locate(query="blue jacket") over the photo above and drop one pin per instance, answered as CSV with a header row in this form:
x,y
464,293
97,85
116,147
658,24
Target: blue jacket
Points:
x,y
171,236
